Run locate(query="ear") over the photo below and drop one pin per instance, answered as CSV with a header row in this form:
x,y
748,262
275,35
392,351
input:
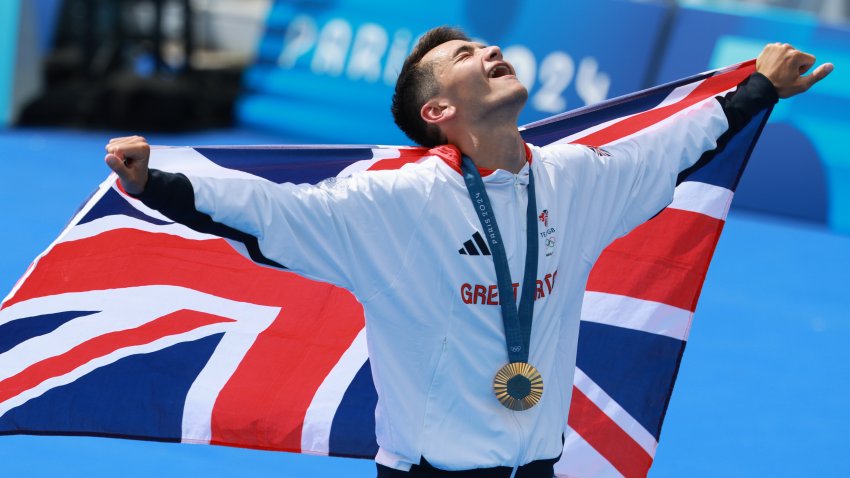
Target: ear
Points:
x,y
437,110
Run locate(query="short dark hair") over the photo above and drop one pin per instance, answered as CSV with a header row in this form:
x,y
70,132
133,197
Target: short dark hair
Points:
x,y
417,84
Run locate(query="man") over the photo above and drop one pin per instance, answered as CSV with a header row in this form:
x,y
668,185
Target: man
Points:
x,y
441,321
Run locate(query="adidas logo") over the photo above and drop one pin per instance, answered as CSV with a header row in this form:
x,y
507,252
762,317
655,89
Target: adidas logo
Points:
x,y
469,247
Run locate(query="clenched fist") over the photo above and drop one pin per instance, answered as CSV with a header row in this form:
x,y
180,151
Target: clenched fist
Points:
x,y
785,66
128,157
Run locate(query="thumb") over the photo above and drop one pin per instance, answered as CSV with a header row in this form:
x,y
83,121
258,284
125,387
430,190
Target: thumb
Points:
x,y
820,73
117,164
125,174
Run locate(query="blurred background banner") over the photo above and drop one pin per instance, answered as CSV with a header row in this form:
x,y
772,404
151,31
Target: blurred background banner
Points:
x,y
328,68
26,35
9,11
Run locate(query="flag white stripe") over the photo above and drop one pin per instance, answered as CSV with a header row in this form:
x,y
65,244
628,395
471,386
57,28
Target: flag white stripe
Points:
x,y
120,309
315,434
678,94
194,164
636,314
117,312
112,223
140,206
234,345
703,198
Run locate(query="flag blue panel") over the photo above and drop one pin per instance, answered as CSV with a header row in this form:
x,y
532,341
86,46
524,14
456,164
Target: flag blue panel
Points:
x,y
111,204
20,330
293,164
140,396
726,166
636,369
353,428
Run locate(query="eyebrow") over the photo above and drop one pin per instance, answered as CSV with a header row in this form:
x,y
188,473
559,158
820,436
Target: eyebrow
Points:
x,y
466,48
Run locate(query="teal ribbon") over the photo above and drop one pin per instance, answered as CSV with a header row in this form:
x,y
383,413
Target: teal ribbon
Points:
x,y
517,321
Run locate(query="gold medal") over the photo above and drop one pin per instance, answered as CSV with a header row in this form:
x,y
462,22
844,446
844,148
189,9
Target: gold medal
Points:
x,y
518,386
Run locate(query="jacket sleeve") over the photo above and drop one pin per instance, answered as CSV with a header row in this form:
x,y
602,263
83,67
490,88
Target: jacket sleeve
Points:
x,y
352,232
632,179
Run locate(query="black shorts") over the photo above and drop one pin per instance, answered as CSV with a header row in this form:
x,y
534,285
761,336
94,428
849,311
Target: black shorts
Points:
x,y
535,469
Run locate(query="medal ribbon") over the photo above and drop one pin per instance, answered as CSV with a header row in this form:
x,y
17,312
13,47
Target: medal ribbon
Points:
x,y
517,322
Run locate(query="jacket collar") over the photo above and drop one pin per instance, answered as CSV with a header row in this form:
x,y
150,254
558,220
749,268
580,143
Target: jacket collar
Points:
x,y
451,155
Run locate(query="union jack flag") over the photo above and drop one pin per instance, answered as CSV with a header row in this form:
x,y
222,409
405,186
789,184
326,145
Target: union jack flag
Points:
x,y
130,325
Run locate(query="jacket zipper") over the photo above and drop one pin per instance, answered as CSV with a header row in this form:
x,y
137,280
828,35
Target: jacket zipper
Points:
x,y
521,455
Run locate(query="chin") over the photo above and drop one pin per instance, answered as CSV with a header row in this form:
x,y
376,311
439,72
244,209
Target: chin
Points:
x,y
505,103
522,94
516,100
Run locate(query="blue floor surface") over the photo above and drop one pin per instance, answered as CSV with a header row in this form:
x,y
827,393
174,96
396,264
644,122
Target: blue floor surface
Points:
x,y
763,388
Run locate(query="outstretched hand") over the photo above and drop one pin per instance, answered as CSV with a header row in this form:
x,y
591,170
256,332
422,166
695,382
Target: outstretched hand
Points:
x,y
786,66
128,157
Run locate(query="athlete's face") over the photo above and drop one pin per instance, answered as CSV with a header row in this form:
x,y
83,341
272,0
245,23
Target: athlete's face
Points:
x,y
476,79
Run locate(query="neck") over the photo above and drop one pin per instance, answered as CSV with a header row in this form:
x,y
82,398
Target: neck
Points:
x,y
493,147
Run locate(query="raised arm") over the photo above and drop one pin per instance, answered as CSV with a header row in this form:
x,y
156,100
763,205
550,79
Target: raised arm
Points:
x,y
325,231
171,194
780,73
786,68
634,178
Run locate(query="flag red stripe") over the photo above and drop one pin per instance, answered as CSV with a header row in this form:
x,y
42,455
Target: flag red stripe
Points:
x,y
294,354
408,155
172,324
133,258
708,88
606,437
663,260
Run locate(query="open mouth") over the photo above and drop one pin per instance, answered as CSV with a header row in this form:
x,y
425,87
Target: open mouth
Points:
x,y
500,70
